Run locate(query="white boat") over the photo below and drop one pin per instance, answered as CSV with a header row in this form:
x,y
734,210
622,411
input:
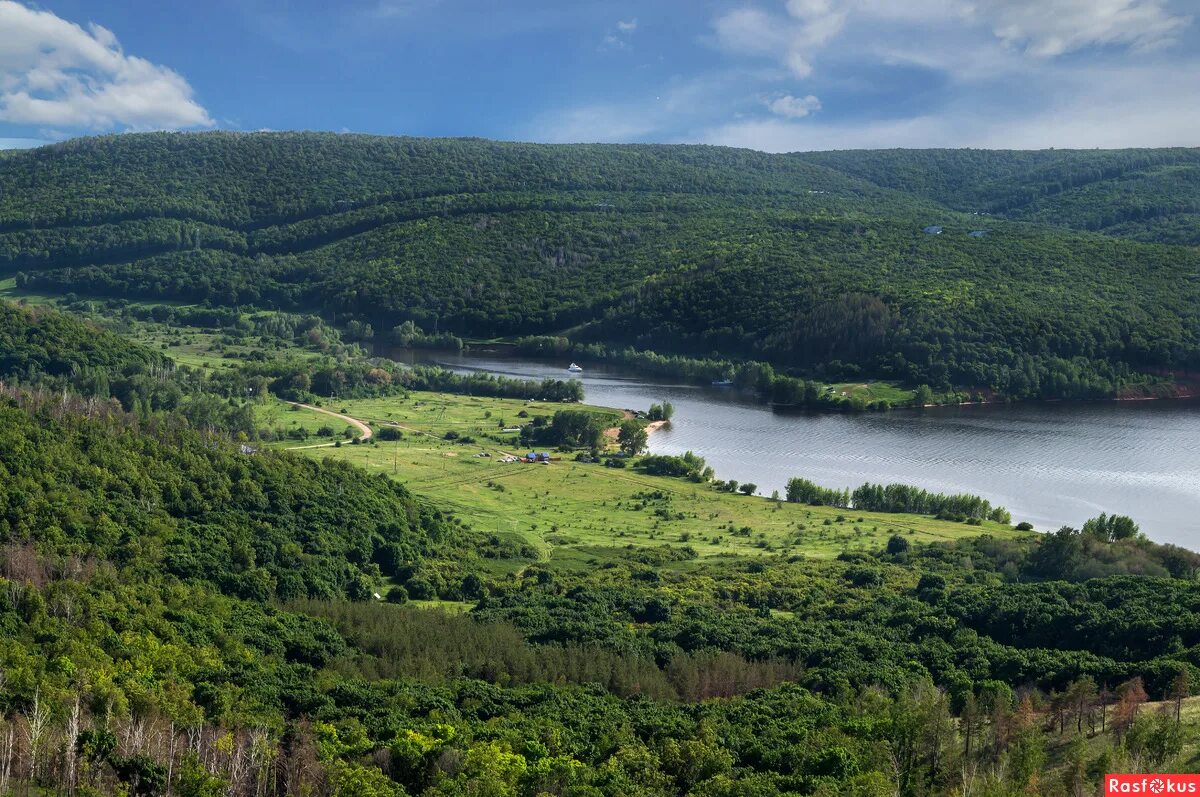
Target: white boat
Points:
x,y
575,369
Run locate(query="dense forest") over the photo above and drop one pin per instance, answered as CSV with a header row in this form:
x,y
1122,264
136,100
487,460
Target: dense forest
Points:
x,y
39,344
800,262
1144,194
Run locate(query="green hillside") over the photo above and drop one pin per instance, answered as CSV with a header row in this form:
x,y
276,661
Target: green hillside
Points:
x,y
38,344
801,262
1145,194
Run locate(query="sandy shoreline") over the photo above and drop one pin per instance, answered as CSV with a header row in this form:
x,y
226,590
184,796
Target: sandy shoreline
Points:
x,y
651,428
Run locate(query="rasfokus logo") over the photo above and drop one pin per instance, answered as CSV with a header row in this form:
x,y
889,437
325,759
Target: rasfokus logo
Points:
x,y
1151,784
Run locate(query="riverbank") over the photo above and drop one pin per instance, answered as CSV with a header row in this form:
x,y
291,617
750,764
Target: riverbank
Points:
x,y
628,415
790,393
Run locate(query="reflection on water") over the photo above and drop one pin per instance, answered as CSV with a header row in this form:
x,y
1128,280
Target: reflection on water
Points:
x,y
1050,464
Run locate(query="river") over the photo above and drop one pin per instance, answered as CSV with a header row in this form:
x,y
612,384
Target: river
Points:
x,y
1051,464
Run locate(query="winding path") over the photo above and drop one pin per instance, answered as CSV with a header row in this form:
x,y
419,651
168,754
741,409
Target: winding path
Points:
x,y
365,432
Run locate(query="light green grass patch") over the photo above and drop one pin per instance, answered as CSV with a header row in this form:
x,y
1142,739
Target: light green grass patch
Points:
x,y
579,515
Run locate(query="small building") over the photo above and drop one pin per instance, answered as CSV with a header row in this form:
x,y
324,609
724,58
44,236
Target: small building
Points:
x,y
933,229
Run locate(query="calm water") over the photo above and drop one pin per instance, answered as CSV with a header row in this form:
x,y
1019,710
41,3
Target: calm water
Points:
x,y
1050,464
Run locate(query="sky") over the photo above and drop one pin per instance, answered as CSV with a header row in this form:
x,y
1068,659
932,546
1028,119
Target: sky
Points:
x,y
774,75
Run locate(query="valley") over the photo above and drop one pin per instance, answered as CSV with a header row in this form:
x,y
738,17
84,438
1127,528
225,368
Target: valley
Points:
x,y
269,524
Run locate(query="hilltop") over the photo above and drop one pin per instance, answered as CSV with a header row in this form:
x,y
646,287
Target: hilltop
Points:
x,y
817,264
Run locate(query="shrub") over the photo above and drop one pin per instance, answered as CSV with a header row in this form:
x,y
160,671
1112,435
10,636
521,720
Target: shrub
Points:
x,y
419,589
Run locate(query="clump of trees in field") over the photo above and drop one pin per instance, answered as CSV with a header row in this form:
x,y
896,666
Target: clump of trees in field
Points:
x,y
899,498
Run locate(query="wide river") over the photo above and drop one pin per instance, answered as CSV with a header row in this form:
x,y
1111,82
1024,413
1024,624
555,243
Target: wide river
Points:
x,y
1050,464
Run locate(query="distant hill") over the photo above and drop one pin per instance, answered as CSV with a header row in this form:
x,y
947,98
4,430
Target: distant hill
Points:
x,y
816,263
1148,195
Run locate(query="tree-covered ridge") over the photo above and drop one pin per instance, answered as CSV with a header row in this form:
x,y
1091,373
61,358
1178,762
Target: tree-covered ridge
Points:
x,y
676,249
40,343
1145,194
159,497
248,181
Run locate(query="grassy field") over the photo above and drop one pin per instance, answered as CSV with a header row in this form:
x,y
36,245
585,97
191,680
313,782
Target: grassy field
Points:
x,y
874,391
277,414
577,514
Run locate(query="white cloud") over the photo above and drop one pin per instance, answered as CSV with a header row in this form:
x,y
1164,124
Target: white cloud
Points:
x,y
54,72
1038,28
1047,29
940,73
1152,109
618,37
792,40
794,107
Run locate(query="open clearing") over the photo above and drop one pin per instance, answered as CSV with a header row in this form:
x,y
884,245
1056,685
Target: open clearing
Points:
x,y
580,514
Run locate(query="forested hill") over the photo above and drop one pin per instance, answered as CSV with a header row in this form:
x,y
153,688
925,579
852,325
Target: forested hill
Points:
x,y
692,250
38,343
159,498
1144,194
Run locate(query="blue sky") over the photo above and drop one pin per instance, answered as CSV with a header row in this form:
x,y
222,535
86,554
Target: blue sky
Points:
x,y
776,75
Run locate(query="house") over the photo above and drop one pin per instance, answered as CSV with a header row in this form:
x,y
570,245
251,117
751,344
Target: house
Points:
x,y
933,229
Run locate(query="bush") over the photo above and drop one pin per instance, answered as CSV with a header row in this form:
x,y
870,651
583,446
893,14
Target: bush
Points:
x,y
419,589
397,594
864,576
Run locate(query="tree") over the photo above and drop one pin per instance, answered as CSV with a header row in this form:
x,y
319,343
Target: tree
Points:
x,y
749,488
897,544
1130,697
661,412
1181,687
632,437
1111,528
1081,698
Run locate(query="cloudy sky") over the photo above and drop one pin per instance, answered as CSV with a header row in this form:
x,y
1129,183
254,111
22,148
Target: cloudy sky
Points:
x,y
776,75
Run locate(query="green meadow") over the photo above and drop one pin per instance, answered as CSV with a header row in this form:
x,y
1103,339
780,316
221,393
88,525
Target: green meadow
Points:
x,y
578,515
